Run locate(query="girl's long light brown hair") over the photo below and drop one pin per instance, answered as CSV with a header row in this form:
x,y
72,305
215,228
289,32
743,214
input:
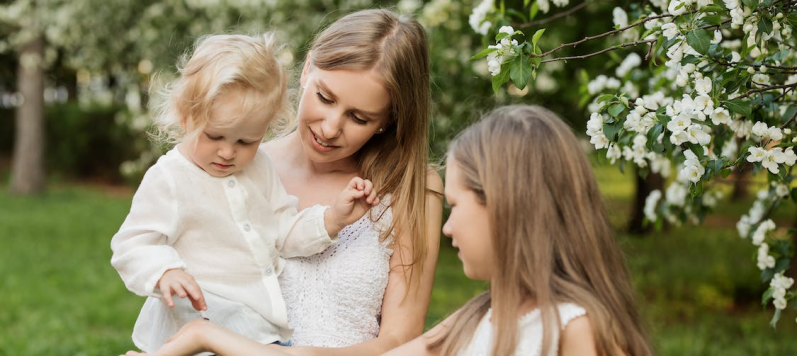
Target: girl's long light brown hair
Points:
x,y
552,241
396,160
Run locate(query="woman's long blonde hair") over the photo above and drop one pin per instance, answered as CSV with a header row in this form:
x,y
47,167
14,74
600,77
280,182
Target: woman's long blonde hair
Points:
x,y
396,160
552,241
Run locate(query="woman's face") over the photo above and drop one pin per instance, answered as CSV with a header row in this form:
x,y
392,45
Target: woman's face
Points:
x,y
468,226
339,111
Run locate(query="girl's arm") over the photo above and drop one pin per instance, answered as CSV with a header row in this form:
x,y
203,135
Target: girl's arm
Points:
x,y
578,339
403,317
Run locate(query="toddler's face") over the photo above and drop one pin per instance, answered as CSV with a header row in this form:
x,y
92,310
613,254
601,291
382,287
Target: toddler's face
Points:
x,y
231,138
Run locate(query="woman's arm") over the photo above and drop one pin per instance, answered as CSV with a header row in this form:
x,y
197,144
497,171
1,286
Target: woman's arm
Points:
x,y
403,317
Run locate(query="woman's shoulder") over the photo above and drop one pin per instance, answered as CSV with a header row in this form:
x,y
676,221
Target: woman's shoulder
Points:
x,y
433,181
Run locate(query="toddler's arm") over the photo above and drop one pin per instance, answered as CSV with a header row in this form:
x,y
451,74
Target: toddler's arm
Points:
x,y
142,250
352,203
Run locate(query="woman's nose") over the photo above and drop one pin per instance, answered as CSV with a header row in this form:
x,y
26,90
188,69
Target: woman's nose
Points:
x,y
332,125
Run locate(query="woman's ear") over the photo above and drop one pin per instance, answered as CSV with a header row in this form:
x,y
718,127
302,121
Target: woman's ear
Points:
x,y
305,70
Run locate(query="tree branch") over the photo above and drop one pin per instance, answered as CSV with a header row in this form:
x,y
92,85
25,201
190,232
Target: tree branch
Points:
x,y
623,45
574,44
761,90
554,17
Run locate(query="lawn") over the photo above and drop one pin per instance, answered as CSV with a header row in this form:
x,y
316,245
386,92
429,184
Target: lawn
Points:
x,y
698,287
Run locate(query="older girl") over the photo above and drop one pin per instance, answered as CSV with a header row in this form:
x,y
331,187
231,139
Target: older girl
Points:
x,y
526,215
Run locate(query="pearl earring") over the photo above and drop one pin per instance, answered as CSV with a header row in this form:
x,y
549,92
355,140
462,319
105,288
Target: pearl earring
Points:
x,y
381,130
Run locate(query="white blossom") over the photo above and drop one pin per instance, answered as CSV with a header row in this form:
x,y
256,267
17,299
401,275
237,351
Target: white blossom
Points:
x,y
764,260
477,17
650,204
619,17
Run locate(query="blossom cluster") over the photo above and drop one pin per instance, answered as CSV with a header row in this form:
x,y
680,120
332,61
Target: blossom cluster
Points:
x,y
504,49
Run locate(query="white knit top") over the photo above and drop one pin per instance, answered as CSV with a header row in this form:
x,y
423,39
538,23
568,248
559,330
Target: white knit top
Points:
x,y
529,333
334,298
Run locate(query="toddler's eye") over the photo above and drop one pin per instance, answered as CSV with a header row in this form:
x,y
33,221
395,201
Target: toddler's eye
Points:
x,y
213,137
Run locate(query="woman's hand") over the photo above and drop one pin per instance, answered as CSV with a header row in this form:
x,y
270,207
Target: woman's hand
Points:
x,y
190,340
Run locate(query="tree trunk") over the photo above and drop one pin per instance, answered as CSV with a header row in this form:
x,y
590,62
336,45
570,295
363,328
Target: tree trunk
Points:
x,y
27,170
643,188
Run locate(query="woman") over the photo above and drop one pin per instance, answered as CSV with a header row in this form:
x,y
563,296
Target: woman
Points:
x,y
363,111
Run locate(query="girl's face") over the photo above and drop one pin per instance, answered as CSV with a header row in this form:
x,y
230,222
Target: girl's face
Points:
x,y
468,226
339,111
230,139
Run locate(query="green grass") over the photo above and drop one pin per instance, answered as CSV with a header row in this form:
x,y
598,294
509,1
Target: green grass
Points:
x,y
698,287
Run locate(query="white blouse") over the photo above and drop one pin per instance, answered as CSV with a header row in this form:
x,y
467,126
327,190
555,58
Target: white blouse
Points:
x,y
334,298
529,333
228,233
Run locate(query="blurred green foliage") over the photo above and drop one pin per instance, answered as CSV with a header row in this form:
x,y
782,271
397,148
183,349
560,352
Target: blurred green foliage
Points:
x,y
82,141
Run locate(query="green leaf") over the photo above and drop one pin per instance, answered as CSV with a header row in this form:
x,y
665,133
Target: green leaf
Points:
x,y
520,71
765,25
526,3
738,106
775,319
725,172
537,36
533,11
611,130
501,78
604,97
750,3
696,149
791,111
699,39
767,296
781,265
654,133
616,109
715,20
483,53
696,189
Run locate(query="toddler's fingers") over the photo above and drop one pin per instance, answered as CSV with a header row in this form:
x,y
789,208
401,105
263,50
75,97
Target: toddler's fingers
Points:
x,y
167,296
368,187
196,296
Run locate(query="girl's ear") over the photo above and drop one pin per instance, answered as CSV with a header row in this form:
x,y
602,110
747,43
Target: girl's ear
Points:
x,y
305,69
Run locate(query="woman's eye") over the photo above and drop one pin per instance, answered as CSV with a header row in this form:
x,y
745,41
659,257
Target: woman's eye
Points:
x,y
323,98
358,120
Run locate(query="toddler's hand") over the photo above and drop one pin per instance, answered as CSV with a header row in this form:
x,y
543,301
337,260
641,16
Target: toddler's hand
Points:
x,y
352,203
177,281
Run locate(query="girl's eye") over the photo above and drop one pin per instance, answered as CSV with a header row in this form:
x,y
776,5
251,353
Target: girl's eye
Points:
x,y
213,138
323,98
245,143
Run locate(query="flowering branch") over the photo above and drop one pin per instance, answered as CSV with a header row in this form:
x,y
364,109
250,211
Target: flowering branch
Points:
x,y
768,88
622,45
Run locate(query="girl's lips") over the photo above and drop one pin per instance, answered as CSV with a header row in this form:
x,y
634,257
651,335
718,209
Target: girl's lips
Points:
x,y
222,166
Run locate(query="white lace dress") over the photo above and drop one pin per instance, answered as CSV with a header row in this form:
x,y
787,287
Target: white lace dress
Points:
x,y
530,333
334,298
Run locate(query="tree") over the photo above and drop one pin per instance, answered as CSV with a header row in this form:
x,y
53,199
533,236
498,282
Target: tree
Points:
x,y
718,93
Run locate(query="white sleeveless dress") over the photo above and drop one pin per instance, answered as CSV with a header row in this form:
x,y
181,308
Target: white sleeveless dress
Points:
x,y
529,332
334,298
